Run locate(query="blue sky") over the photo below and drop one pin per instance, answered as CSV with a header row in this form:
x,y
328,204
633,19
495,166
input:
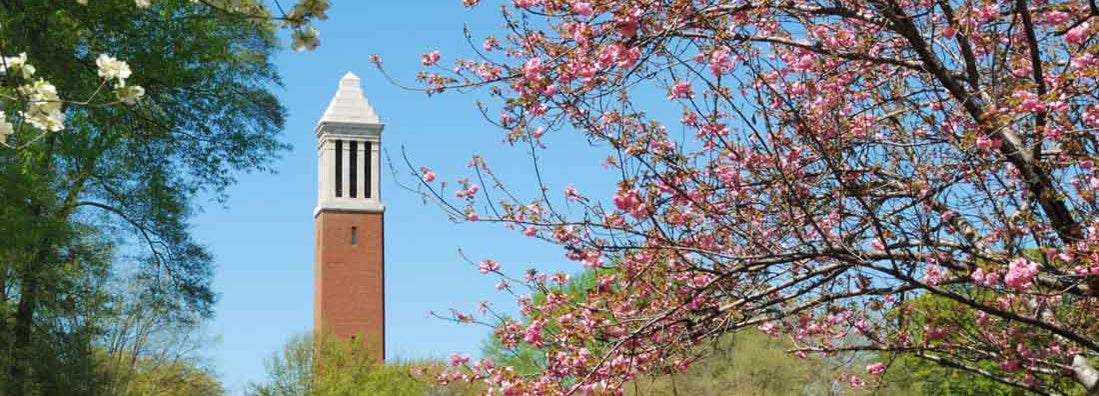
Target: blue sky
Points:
x,y
262,237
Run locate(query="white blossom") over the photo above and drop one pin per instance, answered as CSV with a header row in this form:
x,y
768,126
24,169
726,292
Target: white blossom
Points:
x,y
130,94
113,69
17,63
5,128
305,39
43,107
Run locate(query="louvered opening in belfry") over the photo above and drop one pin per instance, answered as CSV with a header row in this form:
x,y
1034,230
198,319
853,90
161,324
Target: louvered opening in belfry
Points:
x,y
353,165
339,168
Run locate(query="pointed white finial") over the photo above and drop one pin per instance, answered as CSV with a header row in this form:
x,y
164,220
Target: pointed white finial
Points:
x,y
349,80
349,106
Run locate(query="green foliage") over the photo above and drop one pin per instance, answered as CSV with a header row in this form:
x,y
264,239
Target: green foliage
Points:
x,y
107,201
742,363
139,376
747,363
333,366
289,371
920,377
924,377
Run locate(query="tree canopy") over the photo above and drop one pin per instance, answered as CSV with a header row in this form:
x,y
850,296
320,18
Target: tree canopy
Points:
x,y
116,115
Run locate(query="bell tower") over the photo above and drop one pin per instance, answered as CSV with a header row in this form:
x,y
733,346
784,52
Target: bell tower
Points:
x,y
349,269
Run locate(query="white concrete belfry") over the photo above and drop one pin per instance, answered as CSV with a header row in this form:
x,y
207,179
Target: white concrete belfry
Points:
x,y
349,152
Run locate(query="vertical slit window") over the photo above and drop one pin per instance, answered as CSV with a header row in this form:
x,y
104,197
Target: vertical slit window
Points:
x,y
339,168
354,236
353,165
368,162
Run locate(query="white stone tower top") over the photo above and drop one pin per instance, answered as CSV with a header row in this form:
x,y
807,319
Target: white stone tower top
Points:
x,y
348,152
349,105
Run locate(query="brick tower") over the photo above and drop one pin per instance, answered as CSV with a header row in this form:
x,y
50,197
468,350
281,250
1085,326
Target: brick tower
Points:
x,y
349,271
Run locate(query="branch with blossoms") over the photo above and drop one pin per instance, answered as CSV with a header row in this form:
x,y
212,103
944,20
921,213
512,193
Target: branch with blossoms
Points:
x,y
43,106
918,176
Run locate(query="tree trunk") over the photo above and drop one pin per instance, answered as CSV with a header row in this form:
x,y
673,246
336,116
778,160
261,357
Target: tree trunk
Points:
x,y
21,341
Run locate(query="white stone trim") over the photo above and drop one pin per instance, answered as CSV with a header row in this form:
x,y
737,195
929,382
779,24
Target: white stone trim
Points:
x,y
375,171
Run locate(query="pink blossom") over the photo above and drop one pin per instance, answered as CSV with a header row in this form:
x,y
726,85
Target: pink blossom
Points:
x,y
527,3
769,328
1020,273
1030,103
876,368
430,58
581,7
681,90
856,382
626,200
458,360
949,31
720,61
1056,17
936,333
628,23
490,43
934,275
487,266
472,216
428,175
1009,365
1079,34
532,69
987,279
1082,61
985,144
530,231
570,191
981,317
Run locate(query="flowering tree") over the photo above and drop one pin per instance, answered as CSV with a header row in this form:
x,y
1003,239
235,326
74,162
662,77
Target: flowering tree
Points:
x,y
902,177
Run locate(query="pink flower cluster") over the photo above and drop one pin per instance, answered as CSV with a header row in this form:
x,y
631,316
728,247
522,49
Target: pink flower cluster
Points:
x,y
989,279
1021,273
430,58
487,266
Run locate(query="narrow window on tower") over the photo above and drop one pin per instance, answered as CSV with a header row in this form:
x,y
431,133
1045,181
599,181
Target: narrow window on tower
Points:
x,y
354,236
339,168
367,163
353,165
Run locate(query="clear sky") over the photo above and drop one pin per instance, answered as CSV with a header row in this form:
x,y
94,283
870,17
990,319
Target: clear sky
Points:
x,y
262,237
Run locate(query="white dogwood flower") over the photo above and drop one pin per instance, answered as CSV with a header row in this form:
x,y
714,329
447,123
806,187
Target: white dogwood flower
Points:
x,y
17,63
43,107
113,69
5,128
130,94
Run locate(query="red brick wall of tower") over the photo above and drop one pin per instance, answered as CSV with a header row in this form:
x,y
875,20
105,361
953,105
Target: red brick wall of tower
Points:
x,y
349,289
